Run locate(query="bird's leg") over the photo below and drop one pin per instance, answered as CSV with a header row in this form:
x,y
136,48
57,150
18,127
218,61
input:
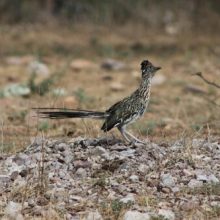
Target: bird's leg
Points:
x,y
133,137
122,130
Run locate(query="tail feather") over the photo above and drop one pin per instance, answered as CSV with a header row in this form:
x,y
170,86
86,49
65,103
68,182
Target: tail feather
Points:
x,y
59,113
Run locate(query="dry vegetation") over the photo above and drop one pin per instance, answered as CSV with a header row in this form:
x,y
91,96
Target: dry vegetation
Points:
x,y
182,105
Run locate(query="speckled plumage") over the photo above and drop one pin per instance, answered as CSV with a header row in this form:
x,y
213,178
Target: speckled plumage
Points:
x,y
121,113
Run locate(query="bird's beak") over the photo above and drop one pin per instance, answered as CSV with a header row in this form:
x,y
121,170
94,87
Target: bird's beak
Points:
x,y
157,68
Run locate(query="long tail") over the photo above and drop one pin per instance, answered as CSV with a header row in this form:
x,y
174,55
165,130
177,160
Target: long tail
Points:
x,y
61,113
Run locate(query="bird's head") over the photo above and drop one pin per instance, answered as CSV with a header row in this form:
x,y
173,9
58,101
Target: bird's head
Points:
x,y
148,69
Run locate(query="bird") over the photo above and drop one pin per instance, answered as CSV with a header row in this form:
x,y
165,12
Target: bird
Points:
x,y
119,115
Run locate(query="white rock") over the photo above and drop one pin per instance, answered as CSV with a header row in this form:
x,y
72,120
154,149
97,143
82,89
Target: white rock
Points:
x,y
167,180
38,68
81,172
202,177
127,153
128,199
93,216
13,211
135,215
134,178
213,179
99,151
167,214
194,183
4,178
143,168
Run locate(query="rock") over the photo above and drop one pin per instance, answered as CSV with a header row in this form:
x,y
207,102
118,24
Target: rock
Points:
x,y
127,153
116,87
15,89
31,202
134,178
167,180
37,210
175,189
21,60
93,216
20,159
61,147
110,64
81,173
158,79
13,211
128,199
194,89
4,178
171,29
38,68
194,183
80,163
99,151
14,175
189,205
166,190
143,168
81,64
188,172
202,177
167,214
213,179
135,215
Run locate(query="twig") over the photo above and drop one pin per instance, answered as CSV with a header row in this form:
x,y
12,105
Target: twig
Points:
x,y
211,101
199,74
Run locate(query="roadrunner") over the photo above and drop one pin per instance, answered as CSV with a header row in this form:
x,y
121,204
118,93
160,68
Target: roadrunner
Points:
x,y
121,113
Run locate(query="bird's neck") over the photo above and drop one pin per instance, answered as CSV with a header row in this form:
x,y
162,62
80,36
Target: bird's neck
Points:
x,y
144,88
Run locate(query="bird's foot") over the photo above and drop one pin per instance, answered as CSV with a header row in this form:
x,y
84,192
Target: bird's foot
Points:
x,y
138,143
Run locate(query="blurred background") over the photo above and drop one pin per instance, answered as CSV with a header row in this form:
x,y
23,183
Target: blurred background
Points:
x,y
87,54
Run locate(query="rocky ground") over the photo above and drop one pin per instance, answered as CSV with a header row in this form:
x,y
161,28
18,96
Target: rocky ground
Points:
x,y
106,179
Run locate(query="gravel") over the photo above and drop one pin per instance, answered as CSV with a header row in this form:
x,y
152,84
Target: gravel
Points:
x,y
94,178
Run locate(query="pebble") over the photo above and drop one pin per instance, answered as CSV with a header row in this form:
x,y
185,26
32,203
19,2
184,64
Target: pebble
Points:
x,y
117,87
81,173
82,64
194,183
13,211
38,68
127,174
134,178
31,202
167,214
135,215
213,179
93,216
128,199
110,64
143,168
202,177
99,151
167,180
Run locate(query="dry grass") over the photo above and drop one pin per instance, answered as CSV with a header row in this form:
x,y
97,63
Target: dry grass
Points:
x,y
174,111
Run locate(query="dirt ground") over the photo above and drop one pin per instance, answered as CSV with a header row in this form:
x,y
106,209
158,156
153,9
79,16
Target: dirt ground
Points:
x,y
181,106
